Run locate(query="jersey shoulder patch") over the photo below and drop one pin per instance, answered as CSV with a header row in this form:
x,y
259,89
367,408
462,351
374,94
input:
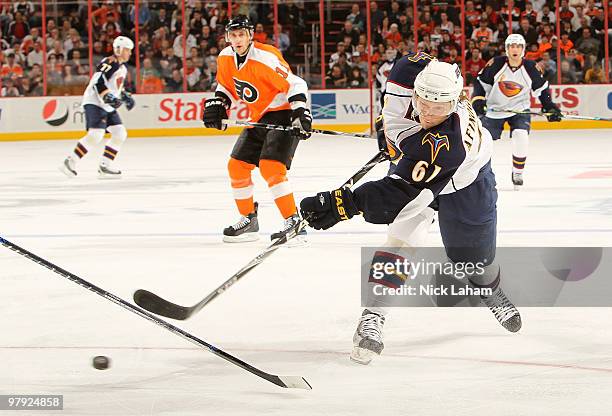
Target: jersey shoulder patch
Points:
x,y
406,69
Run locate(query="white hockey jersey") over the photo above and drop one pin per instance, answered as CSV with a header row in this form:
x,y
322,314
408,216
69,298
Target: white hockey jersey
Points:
x,y
109,75
506,88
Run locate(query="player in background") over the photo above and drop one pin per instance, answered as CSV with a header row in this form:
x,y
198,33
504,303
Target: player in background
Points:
x,y
391,56
505,84
257,75
102,97
446,166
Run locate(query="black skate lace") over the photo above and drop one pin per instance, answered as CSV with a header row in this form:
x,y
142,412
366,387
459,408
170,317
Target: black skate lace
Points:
x,y
241,223
370,326
501,306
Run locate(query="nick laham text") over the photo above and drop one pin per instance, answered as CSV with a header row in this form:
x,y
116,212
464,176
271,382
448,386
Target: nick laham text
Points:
x,y
431,290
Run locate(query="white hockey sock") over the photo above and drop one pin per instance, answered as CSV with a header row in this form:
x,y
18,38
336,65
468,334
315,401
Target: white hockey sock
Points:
x,y
520,144
91,139
118,137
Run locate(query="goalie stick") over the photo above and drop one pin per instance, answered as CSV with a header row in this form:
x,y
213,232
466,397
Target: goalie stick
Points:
x,y
153,303
293,382
289,128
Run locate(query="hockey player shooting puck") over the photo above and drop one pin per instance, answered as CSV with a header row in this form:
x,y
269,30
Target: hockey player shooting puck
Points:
x,y
101,362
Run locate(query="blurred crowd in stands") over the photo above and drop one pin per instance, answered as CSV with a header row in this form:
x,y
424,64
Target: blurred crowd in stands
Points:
x,y
163,68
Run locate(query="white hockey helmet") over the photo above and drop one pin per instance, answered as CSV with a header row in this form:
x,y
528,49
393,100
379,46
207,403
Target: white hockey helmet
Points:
x,y
515,39
439,82
122,42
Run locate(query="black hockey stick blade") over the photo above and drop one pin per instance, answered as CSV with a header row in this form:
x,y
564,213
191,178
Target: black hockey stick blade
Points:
x,y
290,382
159,306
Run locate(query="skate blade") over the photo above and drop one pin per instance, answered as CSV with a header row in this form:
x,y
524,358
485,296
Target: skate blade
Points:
x,y
106,176
517,187
244,238
362,356
297,241
66,171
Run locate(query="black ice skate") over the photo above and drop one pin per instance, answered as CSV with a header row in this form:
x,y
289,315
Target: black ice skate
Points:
x,y
246,229
290,224
68,167
503,310
368,338
517,180
107,172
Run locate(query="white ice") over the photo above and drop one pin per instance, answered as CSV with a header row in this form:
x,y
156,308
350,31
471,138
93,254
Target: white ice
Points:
x,y
159,228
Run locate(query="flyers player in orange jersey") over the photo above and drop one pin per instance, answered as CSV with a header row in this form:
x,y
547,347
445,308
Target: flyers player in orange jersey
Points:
x,y
259,76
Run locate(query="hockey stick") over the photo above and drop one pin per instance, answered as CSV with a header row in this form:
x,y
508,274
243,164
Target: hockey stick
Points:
x,y
294,382
289,128
568,116
153,303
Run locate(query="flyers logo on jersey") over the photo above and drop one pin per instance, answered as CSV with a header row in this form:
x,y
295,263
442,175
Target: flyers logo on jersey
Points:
x,y
437,142
246,91
510,88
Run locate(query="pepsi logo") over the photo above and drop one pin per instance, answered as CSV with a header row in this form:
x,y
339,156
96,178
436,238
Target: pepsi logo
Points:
x,y
55,112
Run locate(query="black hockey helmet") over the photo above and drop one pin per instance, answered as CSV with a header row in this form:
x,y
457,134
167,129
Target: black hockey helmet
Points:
x,y
239,22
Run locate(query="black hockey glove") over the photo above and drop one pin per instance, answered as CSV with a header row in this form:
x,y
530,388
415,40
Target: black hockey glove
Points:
x,y
215,111
480,106
301,121
326,209
129,102
112,100
553,114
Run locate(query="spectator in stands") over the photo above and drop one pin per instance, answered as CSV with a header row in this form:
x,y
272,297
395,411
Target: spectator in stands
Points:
x,y
425,44
545,15
472,16
426,24
260,35
98,52
566,13
35,56
528,32
11,67
377,16
473,66
565,44
175,83
4,45
483,32
548,68
99,16
209,78
18,29
79,67
587,44
159,19
533,52
336,79
9,89
340,50
28,42
356,79
577,21
394,12
394,36
178,44
500,35
349,30
446,24
192,74
356,18
568,75
283,42
595,75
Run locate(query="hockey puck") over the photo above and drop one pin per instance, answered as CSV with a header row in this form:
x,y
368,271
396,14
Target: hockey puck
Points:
x,y
101,362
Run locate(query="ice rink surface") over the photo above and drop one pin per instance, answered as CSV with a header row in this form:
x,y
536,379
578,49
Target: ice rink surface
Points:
x,y
159,228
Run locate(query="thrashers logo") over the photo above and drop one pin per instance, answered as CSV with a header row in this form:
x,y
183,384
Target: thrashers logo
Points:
x,y
509,88
437,141
246,91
